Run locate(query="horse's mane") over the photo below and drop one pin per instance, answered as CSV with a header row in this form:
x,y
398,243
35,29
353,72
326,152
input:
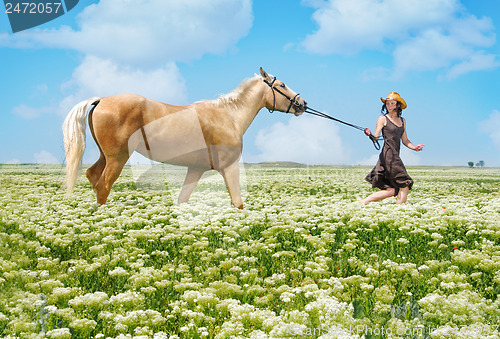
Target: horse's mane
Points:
x,y
237,97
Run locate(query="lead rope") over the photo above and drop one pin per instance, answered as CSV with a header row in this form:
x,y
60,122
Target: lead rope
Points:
x,y
309,110
373,138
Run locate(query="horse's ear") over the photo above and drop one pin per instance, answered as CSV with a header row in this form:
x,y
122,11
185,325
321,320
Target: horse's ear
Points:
x,y
264,74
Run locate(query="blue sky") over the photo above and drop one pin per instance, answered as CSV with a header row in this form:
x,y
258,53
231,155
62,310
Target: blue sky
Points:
x,y
442,56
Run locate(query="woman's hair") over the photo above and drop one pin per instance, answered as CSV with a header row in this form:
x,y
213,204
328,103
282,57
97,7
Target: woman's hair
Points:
x,y
384,110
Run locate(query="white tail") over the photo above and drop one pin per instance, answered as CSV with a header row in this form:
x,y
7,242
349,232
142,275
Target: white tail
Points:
x,y
74,139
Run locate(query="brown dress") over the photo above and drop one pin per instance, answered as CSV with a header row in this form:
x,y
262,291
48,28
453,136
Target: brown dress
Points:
x,y
390,170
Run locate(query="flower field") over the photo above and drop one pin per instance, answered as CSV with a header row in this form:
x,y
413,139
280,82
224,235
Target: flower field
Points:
x,y
302,260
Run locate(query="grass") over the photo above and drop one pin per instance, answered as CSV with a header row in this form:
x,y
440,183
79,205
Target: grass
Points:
x,y
301,259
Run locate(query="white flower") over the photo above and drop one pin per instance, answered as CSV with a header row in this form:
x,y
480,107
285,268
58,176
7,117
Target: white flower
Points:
x,y
287,297
118,272
83,325
437,236
59,333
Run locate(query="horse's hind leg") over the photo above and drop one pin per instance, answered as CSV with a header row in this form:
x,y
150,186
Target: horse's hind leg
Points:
x,y
231,176
111,172
192,177
95,171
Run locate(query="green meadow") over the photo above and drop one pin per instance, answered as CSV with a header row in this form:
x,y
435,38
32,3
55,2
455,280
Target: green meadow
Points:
x,y
302,260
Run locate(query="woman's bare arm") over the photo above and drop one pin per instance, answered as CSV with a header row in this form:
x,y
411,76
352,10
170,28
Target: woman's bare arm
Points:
x,y
378,128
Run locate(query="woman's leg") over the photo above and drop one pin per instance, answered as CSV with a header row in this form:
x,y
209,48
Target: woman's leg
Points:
x,y
379,195
402,195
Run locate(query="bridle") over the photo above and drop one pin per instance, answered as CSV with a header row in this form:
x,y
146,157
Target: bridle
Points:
x,y
304,108
293,101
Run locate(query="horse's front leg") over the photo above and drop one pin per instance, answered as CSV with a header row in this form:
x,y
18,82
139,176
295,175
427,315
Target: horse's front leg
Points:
x,y
192,177
231,176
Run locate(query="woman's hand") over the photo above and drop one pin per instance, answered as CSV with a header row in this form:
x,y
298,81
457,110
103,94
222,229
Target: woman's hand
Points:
x,y
419,147
367,131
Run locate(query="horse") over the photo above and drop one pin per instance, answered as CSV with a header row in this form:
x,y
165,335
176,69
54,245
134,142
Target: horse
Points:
x,y
202,136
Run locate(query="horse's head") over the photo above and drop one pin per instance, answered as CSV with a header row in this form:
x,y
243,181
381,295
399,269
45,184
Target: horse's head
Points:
x,y
282,98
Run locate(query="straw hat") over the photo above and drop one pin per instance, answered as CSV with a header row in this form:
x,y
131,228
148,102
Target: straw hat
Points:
x,y
395,96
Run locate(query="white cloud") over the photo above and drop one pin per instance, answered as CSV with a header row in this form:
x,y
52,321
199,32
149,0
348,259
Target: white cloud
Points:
x,y
147,33
347,26
476,62
303,139
102,77
13,161
430,50
27,112
409,157
422,35
492,127
45,157
371,161
445,48
132,47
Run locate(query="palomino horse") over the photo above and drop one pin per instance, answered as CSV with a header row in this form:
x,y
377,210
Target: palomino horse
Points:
x,y
204,135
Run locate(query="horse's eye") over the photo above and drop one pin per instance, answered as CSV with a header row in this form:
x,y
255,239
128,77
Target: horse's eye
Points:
x,y
283,85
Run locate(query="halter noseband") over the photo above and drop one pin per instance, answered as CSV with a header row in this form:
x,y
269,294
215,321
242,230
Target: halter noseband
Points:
x,y
293,101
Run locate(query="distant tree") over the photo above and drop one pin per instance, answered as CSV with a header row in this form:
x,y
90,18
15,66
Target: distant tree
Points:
x,y
471,164
480,163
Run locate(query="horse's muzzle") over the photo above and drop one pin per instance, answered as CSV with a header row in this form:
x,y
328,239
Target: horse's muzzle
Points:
x,y
299,106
